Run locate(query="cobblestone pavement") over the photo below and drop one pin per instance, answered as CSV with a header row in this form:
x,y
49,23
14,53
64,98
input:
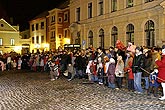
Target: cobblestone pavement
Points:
x,y
35,91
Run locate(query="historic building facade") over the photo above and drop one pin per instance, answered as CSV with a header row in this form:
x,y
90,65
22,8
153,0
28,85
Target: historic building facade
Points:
x,y
102,22
58,27
9,38
38,33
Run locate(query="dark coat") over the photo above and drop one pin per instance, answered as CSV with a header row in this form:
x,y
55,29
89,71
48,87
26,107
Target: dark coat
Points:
x,y
138,63
111,73
147,66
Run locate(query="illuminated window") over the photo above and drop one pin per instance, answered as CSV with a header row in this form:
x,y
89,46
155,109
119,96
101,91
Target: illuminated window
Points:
x,y
53,19
37,39
42,39
42,25
33,40
1,42
65,33
65,16
12,41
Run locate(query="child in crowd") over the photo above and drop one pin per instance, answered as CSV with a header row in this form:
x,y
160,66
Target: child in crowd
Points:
x,y
100,71
119,72
111,73
153,84
14,64
19,63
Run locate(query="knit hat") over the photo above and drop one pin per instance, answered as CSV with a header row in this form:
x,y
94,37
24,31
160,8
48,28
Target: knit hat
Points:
x,y
138,48
145,51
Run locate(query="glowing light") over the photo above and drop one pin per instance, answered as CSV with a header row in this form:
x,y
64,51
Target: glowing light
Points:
x,y
66,41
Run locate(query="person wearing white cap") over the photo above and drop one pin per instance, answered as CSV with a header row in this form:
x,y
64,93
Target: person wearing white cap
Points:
x,y
161,73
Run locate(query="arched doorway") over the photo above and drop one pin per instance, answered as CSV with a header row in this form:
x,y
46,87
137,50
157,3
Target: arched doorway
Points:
x,y
90,38
114,35
130,33
150,33
101,36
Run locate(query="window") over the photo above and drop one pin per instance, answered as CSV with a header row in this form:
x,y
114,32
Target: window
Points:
x,y
100,7
101,35
114,5
12,41
60,36
42,25
2,25
130,33
52,34
146,1
114,36
33,27
78,14
60,19
89,10
90,38
129,3
42,39
150,33
53,19
65,33
37,26
1,41
65,16
32,40
37,39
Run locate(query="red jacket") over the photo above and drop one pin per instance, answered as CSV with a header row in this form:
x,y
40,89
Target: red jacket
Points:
x,y
161,69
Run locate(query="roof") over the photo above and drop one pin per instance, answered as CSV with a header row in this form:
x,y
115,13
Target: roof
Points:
x,y
41,15
64,4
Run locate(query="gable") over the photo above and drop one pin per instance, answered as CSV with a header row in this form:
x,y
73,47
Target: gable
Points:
x,y
4,26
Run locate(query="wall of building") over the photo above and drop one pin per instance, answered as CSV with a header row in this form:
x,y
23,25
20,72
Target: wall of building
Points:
x,y
137,15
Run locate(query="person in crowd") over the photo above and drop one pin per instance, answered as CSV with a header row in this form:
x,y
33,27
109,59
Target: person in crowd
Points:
x,y
100,71
107,53
79,65
111,73
153,83
119,72
112,52
128,70
2,65
14,64
161,69
155,55
147,67
19,63
138,64
9,62
42,64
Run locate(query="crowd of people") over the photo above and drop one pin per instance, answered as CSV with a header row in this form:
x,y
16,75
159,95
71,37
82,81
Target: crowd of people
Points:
x,y
140,69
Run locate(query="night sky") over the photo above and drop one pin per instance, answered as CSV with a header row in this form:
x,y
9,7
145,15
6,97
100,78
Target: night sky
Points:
x,y
24,10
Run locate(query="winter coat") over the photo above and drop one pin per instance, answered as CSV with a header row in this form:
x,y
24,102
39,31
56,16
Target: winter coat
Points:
x,y
119,70
138,63
161,69
147,66
128,68
111,72
155,55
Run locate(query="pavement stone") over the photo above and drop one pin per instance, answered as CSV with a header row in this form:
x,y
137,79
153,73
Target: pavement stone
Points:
x,y
23,90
